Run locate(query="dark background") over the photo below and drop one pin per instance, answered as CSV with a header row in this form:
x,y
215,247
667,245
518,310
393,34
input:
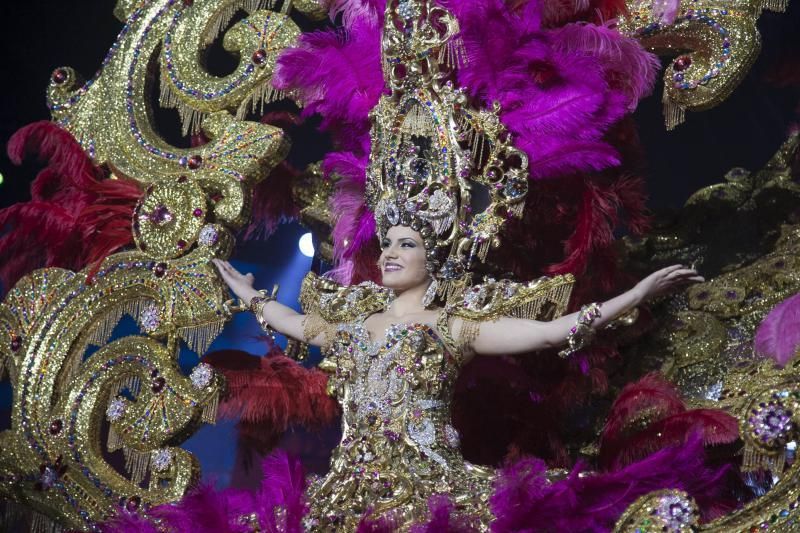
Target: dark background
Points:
x,y
745,131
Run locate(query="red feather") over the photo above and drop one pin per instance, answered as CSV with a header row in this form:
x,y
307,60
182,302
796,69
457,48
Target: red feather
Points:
x,y
649,415
76,216
273,391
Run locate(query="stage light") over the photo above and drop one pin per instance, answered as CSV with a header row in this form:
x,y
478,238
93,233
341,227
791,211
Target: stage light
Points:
x,y
1,178
307,245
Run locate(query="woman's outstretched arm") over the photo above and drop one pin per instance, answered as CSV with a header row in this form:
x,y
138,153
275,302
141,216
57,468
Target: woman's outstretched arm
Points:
x,y
516,335
281,318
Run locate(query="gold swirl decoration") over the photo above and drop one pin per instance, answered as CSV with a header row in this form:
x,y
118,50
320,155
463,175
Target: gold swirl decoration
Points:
x,y
97,425
704,338
717,42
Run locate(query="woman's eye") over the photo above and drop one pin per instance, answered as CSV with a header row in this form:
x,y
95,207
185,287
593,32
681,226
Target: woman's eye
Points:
x,y
385,244
409,245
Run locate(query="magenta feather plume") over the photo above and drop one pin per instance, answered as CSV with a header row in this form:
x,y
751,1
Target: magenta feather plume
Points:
x,y
524,499
338,75
778,336
354,223
279,506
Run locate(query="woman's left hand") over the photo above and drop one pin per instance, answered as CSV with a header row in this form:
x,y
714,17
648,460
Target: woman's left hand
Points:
x,y
665,281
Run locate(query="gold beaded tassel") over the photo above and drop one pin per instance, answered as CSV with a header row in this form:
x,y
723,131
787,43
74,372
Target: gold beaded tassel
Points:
x,y
43,524
779,6
191,118
417,121
263,94
674,113
223,19
114,441
754,459
209,414
453,53
137,463
199,338
476,141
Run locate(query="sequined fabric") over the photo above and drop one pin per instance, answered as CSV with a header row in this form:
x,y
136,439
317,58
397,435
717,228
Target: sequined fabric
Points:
x,y
398,447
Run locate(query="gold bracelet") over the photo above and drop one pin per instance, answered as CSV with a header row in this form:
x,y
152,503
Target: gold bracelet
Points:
x,y
582,333
257,304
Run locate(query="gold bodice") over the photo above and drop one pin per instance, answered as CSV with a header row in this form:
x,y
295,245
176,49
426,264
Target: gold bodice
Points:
x,y
398,447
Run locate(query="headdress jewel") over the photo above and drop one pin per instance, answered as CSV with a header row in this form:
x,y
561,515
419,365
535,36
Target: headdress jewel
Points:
x,y
438,165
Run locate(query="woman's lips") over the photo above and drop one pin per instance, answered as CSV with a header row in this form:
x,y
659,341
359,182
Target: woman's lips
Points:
x,y
391,267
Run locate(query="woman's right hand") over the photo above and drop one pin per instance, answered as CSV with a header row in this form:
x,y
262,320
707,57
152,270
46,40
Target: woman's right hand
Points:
x,y
240,284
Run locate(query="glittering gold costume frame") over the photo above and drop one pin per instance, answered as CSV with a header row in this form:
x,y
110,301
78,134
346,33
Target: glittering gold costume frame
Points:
x,y
65,405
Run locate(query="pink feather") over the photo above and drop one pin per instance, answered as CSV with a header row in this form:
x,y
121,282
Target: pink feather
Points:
x,y
778,336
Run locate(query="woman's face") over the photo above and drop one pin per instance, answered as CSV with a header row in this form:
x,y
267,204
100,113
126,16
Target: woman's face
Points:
x,y
402,260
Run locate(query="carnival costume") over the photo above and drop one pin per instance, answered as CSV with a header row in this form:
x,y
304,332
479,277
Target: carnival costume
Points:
x,y
492,128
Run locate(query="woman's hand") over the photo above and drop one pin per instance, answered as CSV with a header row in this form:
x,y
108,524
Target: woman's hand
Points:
x,y
665,281
240,284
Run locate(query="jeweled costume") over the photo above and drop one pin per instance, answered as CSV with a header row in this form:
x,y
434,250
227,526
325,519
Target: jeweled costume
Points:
x,y
398,446
443,115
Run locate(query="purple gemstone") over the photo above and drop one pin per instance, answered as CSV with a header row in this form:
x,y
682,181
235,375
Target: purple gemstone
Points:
x,y
731,295
703,295
160,215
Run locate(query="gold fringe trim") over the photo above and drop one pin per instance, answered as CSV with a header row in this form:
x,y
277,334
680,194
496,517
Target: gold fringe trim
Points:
x,y
674,113
262,95
44,524
449,289
517,209
314,325
199,338
209,415
114,441
753,459
483,249
779,6
137,463
224,17
453,54
417,121
470,330
103,329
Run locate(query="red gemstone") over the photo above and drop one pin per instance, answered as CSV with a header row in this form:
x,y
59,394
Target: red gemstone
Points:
x,y
56,426
158,384
198,212
216,196
132,505
259,57
194,162
188,3
59,76
160,269
16,343
682,63
182,179
181,244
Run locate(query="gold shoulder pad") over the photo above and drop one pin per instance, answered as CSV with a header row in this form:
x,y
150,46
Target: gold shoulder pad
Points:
x,y
545,298
338,303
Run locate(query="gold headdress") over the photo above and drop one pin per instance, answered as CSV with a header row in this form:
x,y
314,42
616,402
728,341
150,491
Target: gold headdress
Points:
x,y
434,159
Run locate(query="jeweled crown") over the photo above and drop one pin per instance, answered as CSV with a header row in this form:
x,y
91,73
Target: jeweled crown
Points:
x,y
437,164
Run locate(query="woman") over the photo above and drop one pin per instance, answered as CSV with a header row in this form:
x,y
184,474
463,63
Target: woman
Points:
x,y
393,373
